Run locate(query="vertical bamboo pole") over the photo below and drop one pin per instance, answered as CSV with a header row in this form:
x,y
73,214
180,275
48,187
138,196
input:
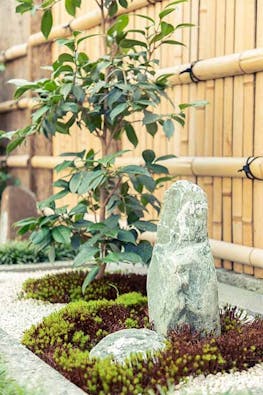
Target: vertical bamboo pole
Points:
x,y
247,211
248,119
242,190
227,127
218,126
258,143
207,49
238,131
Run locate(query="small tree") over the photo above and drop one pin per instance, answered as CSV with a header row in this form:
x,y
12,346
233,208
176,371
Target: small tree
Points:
x,y
100,96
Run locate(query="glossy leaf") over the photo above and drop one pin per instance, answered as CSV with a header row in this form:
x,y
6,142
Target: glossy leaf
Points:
x,y
131,134
46,23
168,128
85,255
61,234
89,278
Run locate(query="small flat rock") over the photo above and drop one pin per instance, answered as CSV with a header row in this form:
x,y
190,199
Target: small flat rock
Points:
x,y
121,344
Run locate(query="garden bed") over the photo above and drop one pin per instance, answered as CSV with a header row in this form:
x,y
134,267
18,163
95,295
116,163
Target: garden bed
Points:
x,y
250,378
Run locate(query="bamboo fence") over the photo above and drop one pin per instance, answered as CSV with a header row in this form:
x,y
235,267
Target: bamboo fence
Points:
x,y
224,52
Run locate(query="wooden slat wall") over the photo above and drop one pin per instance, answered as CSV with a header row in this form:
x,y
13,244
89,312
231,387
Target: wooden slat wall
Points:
x,y
230,125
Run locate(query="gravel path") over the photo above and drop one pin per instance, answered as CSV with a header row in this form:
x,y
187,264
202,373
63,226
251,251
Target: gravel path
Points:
x,y
17,315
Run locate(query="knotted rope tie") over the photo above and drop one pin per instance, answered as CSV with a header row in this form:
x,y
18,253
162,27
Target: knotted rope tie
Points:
x,y
247,170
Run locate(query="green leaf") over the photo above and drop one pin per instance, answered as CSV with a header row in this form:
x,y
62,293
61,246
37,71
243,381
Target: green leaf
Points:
x,y
166,30
126,236
85,255
38,114
14,144
89,278
79,93
46,23
166,12
71,6
21,8
51,254
123,3
64,165
133,169
128,43
65,57
148,155
120,108
61,234
183,25
75,241
110,159
75,182
145,226
146,17
152,128
197,103
38,237
173,42
165,157
61,184
175,3
144,249
148,182
113,8
120,24
149,117
131,134
168,128
123,257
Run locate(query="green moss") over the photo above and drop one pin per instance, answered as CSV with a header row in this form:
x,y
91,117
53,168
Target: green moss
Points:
x,y
65,338
66,287
83,324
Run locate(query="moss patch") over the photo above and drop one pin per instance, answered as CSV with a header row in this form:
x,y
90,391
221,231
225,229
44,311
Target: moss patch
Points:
x,y
64,339
66,287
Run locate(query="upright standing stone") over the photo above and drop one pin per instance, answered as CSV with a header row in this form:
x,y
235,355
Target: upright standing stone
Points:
x,y
181,282
17,203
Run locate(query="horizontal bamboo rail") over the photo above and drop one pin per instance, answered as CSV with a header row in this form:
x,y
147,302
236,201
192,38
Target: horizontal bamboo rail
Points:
x,y
21,104
229,251
183,166
14,52
246,62
84,22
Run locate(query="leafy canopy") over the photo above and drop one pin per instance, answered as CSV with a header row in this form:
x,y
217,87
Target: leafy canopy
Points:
x,y
108,97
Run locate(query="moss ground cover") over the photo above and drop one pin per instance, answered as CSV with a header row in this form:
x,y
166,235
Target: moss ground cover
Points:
x,y
66,287
65,338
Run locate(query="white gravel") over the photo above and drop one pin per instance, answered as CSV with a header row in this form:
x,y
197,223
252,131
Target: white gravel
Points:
x,y
17,315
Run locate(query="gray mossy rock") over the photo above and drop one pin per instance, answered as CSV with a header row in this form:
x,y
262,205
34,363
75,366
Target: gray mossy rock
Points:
x,y
181,282
121,344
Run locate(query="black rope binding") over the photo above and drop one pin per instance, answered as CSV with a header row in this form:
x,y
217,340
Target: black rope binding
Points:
x,y
190,70
247,170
